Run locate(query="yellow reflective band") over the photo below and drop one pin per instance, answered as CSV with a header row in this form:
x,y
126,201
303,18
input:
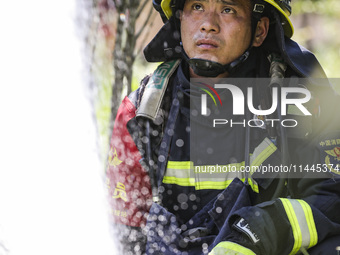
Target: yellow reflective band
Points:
x,y
182,173
213,184
302,222
294,224
310,222
253,185
188,182
180,164
262,152
227,247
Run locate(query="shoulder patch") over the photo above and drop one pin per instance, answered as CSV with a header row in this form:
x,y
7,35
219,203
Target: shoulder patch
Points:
x,y
329,148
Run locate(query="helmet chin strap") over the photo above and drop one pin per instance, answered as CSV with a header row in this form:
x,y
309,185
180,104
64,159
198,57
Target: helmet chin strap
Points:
x,y
208,68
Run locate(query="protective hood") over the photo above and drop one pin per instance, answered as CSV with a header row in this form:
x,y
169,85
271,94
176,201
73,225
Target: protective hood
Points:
x,y
166,45
298,58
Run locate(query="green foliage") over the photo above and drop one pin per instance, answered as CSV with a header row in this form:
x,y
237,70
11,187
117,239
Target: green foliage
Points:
x,y
103,77
320,32
141,68
322,7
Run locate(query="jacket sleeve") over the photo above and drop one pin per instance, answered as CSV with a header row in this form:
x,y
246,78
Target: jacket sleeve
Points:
x,y
305,218
128,184
289,226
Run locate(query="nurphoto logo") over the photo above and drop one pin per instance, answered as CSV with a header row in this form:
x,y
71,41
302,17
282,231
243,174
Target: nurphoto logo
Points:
x,y
285,96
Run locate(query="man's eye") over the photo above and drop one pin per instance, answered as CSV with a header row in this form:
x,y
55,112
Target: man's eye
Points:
x,y
197,7
228,10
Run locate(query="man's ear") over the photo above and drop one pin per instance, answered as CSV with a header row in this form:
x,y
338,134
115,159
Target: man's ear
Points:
x,y
261,31
179,14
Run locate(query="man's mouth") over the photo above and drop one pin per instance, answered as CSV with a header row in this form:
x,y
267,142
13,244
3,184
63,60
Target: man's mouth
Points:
x,y
207,44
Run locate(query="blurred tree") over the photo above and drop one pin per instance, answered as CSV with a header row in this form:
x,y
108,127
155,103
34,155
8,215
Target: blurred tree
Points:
x,y
119,30
132,20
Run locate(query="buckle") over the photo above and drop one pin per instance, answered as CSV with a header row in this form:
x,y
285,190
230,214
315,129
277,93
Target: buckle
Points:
x,y
258,8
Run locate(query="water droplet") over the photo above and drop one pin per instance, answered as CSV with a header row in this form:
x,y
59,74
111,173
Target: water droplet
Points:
x,y
182,198
218,209
194,113
161,158
179,142
161,189
184,227
145,139
170,132
184,206
145,191
192,197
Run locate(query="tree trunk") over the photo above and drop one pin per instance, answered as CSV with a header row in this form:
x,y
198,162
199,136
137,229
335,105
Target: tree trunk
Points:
x,y
124,53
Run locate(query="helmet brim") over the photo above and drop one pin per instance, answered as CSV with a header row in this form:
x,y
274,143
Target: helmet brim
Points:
x,y
286,23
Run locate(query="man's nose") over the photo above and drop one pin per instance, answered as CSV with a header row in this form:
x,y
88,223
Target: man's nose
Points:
x,y
210,23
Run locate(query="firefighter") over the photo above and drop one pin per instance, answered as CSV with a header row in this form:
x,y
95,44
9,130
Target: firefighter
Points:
x,y
160,205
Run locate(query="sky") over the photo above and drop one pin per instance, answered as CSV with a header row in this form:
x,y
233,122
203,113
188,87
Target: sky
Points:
x,y
52,194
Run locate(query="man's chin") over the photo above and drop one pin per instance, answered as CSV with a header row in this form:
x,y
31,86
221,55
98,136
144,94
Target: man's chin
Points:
x,y
208,58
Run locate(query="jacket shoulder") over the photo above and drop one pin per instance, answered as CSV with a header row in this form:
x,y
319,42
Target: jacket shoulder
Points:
x,y
151,93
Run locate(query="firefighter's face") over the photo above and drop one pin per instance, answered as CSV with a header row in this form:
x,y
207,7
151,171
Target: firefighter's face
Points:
x,y
216,30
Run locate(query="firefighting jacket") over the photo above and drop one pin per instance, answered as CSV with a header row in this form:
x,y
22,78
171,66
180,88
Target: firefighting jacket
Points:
x,y
199,213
